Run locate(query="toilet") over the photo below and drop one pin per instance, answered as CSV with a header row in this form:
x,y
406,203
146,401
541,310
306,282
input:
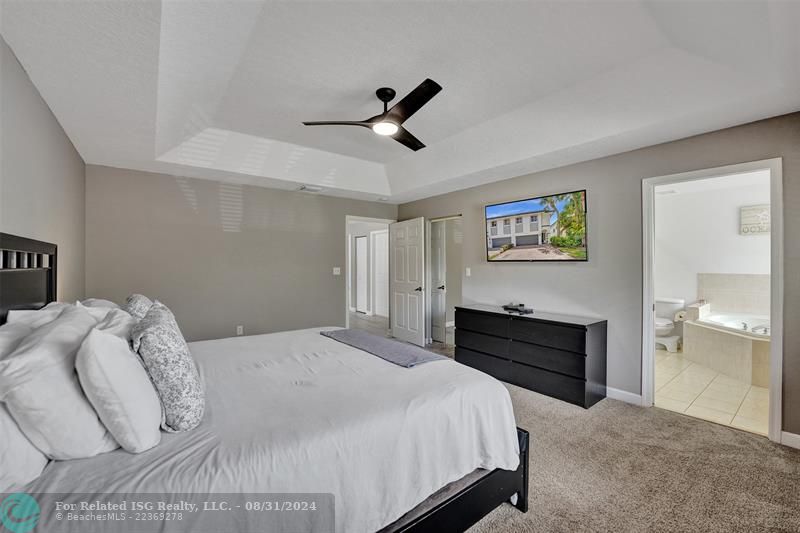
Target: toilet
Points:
x,y
665,313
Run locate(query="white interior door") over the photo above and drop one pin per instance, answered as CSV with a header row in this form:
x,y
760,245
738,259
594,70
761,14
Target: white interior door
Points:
x,y
438,281
381,272
361,274
407,256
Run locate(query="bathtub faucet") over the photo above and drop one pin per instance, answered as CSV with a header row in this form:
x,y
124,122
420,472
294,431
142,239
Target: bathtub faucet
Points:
x,y
762,329
744,326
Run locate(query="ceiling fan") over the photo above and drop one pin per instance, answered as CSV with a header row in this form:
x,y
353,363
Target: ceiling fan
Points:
x,y
390,122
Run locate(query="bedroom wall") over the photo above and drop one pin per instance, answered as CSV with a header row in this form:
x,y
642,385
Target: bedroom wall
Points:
x,y
41,175
609,285
219,254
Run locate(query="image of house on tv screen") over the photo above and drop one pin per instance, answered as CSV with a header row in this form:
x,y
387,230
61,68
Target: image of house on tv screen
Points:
x,y
548,228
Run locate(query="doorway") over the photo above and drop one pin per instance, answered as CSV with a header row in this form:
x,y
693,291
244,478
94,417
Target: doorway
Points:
x,y
445,277
713,295
367,274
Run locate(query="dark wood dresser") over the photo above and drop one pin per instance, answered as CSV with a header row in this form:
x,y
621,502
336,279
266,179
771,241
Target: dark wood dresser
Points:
x,y
558,355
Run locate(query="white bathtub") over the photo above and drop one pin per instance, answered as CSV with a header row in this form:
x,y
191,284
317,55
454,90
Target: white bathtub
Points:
x,y
745,325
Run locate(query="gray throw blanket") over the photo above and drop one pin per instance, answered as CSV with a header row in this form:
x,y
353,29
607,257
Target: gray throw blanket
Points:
x,y
399,353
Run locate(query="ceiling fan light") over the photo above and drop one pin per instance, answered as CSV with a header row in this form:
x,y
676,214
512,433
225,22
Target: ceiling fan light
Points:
x,y
385,128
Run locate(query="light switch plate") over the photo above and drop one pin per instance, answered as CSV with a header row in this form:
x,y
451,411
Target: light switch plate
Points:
x,y
337,271
240,330
469,272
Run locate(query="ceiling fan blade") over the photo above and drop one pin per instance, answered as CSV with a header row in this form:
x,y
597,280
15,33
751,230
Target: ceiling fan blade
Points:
x,y
413,101
339,123
403,136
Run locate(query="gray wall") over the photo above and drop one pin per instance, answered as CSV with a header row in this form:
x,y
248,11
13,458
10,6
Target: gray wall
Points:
x,y
610,284
219,254
41,175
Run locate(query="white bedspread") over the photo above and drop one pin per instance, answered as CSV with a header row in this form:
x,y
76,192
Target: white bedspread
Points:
x,y
299,412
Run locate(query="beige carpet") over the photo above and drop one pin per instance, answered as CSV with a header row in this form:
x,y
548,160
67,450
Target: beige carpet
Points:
x,y
617,467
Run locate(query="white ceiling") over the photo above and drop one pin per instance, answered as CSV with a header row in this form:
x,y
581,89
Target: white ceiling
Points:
x,y
218,89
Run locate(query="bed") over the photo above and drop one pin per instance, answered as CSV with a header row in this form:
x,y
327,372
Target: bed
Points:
x,y
432,448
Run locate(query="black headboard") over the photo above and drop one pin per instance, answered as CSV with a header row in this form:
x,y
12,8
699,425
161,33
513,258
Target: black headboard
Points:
x,y
27,273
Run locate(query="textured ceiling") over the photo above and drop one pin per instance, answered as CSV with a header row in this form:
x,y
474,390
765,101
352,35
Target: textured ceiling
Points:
x,y
218,89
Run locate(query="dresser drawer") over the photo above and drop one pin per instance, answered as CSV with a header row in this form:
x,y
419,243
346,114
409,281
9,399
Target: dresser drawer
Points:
x,y
482,343
569,363
496,325
547,334
565,388
501,369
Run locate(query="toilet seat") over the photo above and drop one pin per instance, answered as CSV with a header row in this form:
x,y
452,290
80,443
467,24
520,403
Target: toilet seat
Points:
x,y
663,322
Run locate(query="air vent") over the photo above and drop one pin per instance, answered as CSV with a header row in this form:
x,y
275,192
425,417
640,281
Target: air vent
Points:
x,y
309,188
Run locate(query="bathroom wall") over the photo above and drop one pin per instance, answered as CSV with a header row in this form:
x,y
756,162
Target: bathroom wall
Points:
x,y
697,232
735,293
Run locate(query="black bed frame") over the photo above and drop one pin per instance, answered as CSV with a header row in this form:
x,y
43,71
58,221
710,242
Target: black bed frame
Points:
x,y
467,506
28,281
27,273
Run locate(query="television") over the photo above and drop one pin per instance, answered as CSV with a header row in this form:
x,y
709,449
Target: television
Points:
x,y
546,228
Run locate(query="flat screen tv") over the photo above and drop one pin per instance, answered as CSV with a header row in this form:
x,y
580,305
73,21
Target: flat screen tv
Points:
x,y
547,228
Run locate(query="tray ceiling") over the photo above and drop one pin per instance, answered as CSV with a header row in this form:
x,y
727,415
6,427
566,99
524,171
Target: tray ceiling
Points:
x,y
218,89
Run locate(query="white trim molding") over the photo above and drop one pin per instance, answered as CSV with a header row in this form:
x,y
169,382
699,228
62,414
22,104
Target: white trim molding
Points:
x,y
775,168
790,439
624,396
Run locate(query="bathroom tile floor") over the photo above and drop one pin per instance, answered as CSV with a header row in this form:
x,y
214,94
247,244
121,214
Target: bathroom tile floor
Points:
x,y
694,390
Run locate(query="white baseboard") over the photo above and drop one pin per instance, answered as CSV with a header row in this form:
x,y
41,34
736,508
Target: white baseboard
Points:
x,y
623,396
790,439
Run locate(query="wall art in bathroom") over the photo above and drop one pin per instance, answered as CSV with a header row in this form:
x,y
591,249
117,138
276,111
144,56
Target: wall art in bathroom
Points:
x,y
754,219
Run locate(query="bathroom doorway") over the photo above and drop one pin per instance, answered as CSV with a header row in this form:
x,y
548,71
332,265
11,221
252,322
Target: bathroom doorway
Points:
x,y
712,343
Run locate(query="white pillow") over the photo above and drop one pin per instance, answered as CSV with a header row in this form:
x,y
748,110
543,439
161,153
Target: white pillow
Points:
x,y
98,302
118,387
21,461
99,313
41,390
118,322
36,317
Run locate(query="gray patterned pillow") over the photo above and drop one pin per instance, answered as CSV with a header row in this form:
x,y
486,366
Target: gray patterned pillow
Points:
x,y
137,305
165,354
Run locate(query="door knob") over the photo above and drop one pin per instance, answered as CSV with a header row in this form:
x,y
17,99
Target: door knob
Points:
x,y
441,288
418,289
